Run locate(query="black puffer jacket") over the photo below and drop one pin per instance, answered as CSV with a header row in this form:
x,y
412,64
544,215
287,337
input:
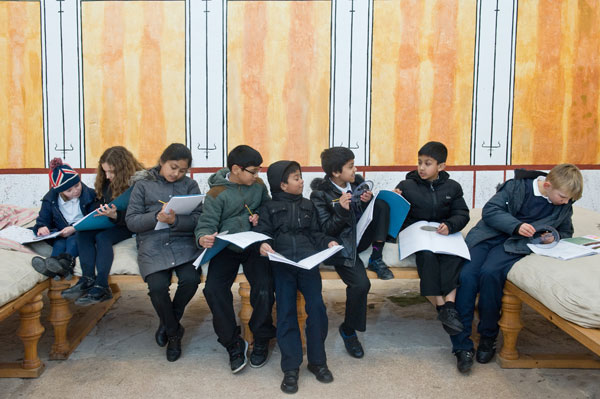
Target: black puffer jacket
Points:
x,y
291,221
335,220
438,201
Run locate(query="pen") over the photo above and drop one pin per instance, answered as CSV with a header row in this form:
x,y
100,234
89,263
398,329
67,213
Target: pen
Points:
x,y
249,211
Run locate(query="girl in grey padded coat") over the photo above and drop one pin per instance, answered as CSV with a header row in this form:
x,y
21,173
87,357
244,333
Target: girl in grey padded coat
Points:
x,y
173,249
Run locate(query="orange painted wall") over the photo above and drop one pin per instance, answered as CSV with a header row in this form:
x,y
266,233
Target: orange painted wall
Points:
x,y
557,83
422,78
21,112
278,73
134,69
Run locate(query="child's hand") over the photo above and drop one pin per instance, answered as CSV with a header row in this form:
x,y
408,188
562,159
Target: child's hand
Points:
x,y
443,229
43,231
265,249
366,196
332,244
345,200
207,241
398,191
168,218
107,210
253,219
67,231
526,230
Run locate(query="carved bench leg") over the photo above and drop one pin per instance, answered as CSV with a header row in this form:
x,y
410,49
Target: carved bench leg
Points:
x,y
510,324
302,316
245,311
60,316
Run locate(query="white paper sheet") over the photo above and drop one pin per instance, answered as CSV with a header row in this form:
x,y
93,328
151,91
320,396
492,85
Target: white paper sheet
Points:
x,y
413,239
365,219
309,262
241,240
181,205
23,235
563,250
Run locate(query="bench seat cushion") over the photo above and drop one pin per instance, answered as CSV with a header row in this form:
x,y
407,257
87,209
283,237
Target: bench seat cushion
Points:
x,y
570,288
17,276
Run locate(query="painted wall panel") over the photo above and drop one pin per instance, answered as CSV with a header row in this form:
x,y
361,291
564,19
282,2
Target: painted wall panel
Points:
x,y
557,83
21,112
422,79
278,59
133,68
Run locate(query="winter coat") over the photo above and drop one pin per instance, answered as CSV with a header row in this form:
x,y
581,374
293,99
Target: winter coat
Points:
x,y
225,206
336,221
166,248
438,201
498,216
50,214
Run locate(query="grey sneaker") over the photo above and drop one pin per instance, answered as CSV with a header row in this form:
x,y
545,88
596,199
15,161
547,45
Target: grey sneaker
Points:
x,y
79,289
96,294
382,270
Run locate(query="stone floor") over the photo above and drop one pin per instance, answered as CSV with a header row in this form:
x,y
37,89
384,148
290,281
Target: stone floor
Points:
x,y
407,356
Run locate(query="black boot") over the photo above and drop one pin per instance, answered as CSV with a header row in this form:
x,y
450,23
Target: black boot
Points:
x,y
161,336
39,265
79,289
174,345
290,381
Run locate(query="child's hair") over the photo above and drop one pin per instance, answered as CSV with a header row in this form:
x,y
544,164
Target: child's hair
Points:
x,y
435,150
244,156
567,178
293,167
176,152
125,165
333,159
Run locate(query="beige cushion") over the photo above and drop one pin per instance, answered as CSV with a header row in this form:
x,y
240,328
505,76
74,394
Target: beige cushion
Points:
x,y
570,288
17,276
125,261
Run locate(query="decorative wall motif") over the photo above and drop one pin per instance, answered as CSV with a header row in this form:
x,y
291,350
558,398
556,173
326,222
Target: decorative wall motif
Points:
x,y
278,60
557,83
21,112
422,79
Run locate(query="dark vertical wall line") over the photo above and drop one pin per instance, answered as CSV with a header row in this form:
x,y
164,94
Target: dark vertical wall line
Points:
x,y
206,68
334,4
368,82
476,55
331,70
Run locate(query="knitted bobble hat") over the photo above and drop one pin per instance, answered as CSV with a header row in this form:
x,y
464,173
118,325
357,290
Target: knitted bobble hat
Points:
x,y
62,176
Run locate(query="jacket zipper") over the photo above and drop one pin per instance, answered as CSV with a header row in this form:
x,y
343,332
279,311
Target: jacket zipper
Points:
x,y
293,235
434,197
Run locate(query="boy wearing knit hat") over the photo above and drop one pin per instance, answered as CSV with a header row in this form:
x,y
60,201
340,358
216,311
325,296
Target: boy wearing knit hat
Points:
x,y
68,201
292,222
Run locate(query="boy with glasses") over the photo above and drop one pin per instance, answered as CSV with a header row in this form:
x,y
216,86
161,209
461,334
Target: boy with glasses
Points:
x,y
230,205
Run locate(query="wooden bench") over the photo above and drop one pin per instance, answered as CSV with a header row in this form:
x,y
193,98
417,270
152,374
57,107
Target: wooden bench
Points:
x,y
511,325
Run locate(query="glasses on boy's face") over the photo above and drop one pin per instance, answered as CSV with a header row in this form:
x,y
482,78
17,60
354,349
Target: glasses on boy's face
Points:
x,y
252,172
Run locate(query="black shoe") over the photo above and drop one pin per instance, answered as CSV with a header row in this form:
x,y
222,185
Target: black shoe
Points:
x,y
321,372
486,349
464,360
174,345
290,381
80,289
352,344
259,354
95,295
161,336
67,262
237,355
39,265
450,320
382,270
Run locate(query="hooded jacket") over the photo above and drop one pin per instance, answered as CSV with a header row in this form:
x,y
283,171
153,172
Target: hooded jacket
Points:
x,y
50,215
290,220
438,201
166,248
225,206
336,221
498,216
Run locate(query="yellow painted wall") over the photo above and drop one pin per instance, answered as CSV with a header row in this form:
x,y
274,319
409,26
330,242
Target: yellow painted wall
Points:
x,y
21,114
133,66
278,60
422,81
557,83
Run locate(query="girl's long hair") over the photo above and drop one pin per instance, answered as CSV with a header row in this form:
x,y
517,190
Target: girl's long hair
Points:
x,y
124,165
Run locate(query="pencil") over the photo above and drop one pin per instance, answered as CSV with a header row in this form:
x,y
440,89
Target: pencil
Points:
x,y
162,202
249,211
335,200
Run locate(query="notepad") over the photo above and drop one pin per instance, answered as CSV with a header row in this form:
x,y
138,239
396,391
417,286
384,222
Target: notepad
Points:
x,y
94,221
308,262
563,250
181,205
23,235
222,240
414,238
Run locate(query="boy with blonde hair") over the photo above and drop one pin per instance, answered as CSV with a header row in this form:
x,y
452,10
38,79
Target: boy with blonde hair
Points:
x,y
528,203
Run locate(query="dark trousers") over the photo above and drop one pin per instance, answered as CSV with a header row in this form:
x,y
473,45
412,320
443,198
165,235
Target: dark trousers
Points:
x,y
96,253
288,280
438,272
171,312
484,273
65,245
222,271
